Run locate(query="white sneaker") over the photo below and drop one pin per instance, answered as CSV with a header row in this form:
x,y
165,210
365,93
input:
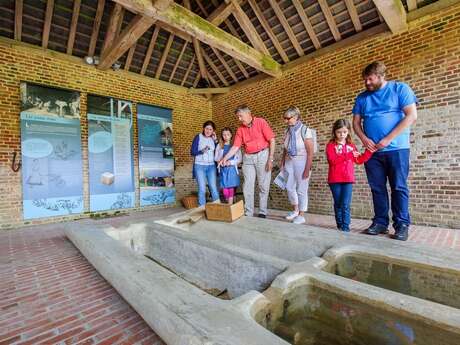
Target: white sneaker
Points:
x,y
291,215
299,220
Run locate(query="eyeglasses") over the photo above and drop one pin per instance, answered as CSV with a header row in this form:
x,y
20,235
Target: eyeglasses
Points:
x,y
287,118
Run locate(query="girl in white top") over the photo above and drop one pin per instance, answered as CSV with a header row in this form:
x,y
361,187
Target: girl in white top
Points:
x,y
297,162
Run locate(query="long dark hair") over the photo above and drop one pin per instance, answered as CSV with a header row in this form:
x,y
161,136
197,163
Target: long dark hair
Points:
x,y
340,123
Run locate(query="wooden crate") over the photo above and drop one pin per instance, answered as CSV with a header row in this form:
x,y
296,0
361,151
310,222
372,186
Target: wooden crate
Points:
x,y
225,212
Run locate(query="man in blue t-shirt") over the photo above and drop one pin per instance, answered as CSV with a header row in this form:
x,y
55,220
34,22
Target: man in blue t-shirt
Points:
x,y
382,116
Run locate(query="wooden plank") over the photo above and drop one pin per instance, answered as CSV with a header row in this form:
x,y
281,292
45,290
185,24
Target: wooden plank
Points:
x,y
129,58
114,23
120,22
279,14
393,13
135,29
306,22
411,5
248,28
211,79
18,8
176,32
47,24
214,68
353,15
330,19
224,63
179,58
197,79
268,30
148,54
96,26
189,68
211,90
191,23
220,13
164,56
73,26
196,47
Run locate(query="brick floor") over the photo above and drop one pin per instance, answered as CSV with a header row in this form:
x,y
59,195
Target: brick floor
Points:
x,y
50,294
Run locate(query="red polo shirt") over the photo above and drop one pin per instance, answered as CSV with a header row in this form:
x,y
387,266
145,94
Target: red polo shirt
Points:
x,y
255,138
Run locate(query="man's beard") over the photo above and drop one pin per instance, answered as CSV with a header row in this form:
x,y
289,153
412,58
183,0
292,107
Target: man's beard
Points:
x,y
374,87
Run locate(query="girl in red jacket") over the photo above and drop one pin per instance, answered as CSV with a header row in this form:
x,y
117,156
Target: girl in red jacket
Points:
x,y
341,156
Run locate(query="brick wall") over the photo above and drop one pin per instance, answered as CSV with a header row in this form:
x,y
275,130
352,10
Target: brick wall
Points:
x,y
324,87
20,62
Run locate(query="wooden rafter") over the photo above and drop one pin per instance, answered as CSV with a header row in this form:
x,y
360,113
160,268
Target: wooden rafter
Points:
x,y
197,79
120,22
135,29
189,68
306,22
18,8
73,26
224,63
129,58
268,30
393,13
353,15
211,79
115,19
222,12
330,19
280,15
47,24
197,48
236,34
248,28
96,26
179,58
191,23
209,90
411,5
148,54
164,56
176,32
214,68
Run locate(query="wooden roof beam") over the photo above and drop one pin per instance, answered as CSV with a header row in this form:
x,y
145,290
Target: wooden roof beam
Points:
x,y
306,22
47,24
179,58
189,68
73,26
191,23
214,68
129,58
330,19
279,14
148,54
164,56
112,30
18,8
411,5
224,63
268,30
223,11
128,37
248,28
96,26
354,15
210,90
197,48
393,13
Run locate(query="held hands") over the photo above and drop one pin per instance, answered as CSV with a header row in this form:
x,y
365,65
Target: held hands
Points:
x,y
369,144
383,143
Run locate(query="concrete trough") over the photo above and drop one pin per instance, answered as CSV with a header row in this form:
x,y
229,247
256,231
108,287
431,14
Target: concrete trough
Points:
x,y
287,284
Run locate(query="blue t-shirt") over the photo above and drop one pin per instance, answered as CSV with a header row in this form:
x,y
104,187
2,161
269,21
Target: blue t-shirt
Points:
x,y
382,110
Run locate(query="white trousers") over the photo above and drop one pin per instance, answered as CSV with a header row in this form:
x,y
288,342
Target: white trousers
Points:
x,y
254,166
296,186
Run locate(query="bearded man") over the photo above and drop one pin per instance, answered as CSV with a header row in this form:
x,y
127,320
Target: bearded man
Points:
x,y
382,116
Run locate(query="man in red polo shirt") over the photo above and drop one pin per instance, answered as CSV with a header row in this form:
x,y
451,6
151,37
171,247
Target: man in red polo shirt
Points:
x,y
258,141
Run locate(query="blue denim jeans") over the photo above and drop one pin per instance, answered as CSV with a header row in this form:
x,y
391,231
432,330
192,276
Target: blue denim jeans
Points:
x,y
206,174
394,167
342,192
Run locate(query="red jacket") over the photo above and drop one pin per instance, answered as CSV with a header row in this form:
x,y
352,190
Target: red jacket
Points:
x,y
341,162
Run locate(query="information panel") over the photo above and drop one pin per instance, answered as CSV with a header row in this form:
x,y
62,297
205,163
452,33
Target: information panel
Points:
x,y
111,182
156,155
52,177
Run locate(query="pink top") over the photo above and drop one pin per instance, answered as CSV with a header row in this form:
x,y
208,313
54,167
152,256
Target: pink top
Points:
x,y
254,138
341,162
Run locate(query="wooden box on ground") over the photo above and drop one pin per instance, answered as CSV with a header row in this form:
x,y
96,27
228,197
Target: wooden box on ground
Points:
x,y
224,212
190,201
